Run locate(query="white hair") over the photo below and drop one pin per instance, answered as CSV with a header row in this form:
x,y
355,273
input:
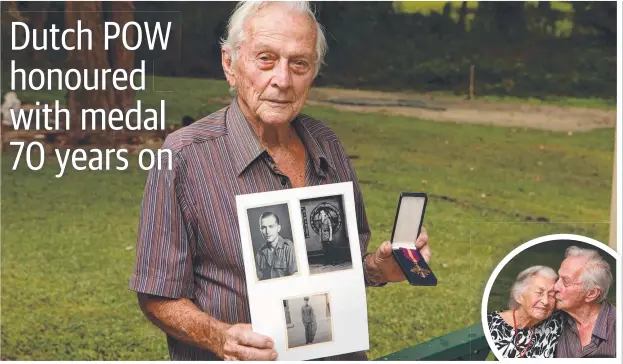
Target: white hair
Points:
x,y
524,279
245,10
596,272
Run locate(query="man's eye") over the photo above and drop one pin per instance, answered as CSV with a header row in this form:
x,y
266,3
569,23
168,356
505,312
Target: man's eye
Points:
x,y
300,64
265,58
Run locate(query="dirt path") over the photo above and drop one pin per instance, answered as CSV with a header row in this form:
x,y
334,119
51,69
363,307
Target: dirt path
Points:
x,y
454,109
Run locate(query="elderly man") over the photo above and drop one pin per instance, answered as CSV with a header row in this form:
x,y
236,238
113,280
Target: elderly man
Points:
x,y
275,258
189,276
581,291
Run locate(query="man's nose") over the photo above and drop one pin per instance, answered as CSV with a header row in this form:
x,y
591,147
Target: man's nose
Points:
x,y
282,77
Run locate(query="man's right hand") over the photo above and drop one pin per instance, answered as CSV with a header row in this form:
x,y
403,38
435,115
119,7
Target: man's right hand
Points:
x,y
241,343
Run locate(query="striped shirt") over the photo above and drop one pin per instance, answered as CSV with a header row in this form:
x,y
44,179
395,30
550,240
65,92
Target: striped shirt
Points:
x,y
188,242
603,340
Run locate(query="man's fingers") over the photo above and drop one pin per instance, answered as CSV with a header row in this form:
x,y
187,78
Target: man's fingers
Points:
x,y
254,340
249,353
245,327
422,239
385,250
426,253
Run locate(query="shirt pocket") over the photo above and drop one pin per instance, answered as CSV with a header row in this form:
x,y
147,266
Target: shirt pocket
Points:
x,y
280,263
261,262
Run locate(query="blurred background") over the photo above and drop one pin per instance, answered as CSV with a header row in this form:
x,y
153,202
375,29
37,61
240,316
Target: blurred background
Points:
x,y
503,112
549,254
535,49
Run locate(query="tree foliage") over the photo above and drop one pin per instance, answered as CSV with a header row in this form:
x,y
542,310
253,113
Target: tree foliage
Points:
x,y
517,48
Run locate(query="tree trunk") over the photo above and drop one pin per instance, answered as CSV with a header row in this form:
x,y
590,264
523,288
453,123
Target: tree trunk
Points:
x,y
72,106
9,15
87,59
37,15
463,17
123,58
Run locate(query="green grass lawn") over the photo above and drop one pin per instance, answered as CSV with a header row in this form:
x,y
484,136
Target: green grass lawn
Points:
x,y
586,102
67,244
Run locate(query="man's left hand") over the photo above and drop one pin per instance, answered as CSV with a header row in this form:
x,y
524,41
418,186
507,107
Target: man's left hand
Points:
x,y
383,266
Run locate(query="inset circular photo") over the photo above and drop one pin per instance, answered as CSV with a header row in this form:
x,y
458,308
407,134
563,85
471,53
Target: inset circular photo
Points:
x,y
553,297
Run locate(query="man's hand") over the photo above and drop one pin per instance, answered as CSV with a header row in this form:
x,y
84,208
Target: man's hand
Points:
x,y
182,319
382,267
241,343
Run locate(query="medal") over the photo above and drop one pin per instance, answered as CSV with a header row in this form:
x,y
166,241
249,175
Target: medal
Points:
x,y
422,272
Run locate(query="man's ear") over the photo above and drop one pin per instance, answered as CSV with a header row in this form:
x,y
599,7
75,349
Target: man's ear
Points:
x,y
228,68
278,228
591,295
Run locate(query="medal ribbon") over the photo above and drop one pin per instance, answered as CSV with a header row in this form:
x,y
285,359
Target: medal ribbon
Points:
x,y
409,255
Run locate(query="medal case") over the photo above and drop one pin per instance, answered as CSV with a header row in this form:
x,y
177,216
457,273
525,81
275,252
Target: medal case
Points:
x,y
407,227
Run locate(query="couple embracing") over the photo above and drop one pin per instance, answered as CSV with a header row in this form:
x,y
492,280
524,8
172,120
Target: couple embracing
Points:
x,y
561,314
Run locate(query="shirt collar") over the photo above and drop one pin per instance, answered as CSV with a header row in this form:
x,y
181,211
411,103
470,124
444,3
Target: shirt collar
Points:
x,y
320,159
600,329
279,244
247,145
601,324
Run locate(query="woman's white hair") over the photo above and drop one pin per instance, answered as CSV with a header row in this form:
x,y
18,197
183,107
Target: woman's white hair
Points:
x,y
245,10
524,279
596,273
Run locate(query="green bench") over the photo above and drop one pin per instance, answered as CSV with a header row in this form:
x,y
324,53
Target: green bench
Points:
x,y
466,344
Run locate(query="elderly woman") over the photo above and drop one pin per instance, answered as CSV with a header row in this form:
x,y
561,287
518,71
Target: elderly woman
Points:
x,y
530,328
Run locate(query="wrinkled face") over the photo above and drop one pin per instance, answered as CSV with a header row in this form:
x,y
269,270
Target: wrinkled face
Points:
x,y
570,291
538,299
276,65
270,228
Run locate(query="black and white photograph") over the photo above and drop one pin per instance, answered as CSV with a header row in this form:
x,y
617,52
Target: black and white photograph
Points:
x,y
326,236
308,320
283,233
273,248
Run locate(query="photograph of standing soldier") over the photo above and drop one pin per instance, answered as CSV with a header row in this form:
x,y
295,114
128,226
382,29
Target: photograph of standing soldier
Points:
x,y
309,321
326,239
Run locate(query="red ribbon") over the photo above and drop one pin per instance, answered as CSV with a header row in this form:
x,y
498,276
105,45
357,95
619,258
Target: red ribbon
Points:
x,y
409,255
